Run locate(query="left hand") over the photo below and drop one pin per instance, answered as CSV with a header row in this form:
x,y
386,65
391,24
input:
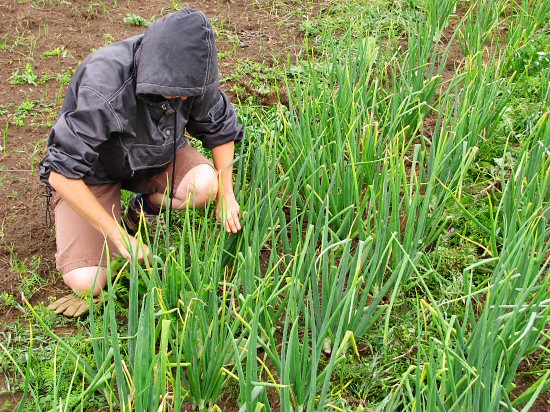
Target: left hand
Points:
x,y
228,212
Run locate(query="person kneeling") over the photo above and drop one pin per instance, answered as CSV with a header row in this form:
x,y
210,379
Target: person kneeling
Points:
x,y
122,126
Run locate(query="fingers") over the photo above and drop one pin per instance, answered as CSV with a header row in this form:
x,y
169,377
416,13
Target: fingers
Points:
x,y
129,247
145,254
236,220
228,212
123,244
232,222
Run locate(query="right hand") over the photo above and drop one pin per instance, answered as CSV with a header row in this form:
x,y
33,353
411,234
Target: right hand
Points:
x,y
126,244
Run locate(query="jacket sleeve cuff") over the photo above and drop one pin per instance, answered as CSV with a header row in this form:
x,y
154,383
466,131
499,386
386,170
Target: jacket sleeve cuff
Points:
x,y
236,136
62,164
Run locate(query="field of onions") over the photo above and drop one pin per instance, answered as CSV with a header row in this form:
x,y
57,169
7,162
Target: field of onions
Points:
x,y
348,194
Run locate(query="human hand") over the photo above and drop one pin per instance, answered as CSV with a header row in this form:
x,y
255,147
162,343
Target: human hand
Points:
x,y
228,212
129,246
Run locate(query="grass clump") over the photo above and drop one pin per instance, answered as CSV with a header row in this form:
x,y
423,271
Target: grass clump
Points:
x,y
27,76
132,19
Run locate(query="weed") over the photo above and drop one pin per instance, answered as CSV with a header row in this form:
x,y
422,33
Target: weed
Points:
x,y
57,52
37,154
27,76
64,78
39,4
377,18
136,20
108,39
20,40
91,9
7,300
285,9
534,56
254,78
174,6
28,273
23,341
5,137
21,112
5,42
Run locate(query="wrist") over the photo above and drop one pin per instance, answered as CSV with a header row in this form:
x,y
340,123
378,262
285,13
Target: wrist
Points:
x,y
114,235
225,192
225,188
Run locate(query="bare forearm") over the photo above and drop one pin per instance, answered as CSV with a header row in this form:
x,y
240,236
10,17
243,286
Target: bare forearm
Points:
x,y
223,161
82,201
227,208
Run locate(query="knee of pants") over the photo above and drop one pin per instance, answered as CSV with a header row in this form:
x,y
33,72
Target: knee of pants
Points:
x,y
201,185
82,279
207,188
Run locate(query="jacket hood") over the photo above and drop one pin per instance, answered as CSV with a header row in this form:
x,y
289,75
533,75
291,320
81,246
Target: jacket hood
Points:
x,y
177,56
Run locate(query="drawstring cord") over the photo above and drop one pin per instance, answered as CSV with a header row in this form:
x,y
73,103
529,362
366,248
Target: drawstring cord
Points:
x,y
177,106
48,196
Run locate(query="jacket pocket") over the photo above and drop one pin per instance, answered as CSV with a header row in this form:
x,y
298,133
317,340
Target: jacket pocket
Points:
x,y
165,128
113,155
150,157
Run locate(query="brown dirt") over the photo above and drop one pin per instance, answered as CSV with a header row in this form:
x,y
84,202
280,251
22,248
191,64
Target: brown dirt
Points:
x,y
524,380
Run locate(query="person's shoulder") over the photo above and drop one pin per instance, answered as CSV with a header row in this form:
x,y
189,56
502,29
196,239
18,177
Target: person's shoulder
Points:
x,y
110,68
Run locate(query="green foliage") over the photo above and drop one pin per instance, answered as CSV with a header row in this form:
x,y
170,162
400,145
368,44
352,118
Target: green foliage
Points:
x,y
30,277
4,42
39,4
57,52
256,79
132,19
26,77
23,343
64,78
534,56
174,6
394,246
7,300
22,112
377,18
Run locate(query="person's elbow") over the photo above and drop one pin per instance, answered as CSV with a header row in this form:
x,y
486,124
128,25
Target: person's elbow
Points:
x,y
53,179
56,179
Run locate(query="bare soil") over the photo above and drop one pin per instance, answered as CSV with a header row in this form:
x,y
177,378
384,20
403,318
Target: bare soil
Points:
x,y
525,379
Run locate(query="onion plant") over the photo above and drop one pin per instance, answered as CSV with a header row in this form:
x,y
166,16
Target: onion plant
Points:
x,y
471,364
344,195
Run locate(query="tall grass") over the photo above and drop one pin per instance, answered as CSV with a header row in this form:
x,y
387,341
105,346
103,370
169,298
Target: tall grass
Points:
x,y
471,364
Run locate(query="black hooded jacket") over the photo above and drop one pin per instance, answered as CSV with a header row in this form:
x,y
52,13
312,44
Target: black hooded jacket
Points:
x,y
115,126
